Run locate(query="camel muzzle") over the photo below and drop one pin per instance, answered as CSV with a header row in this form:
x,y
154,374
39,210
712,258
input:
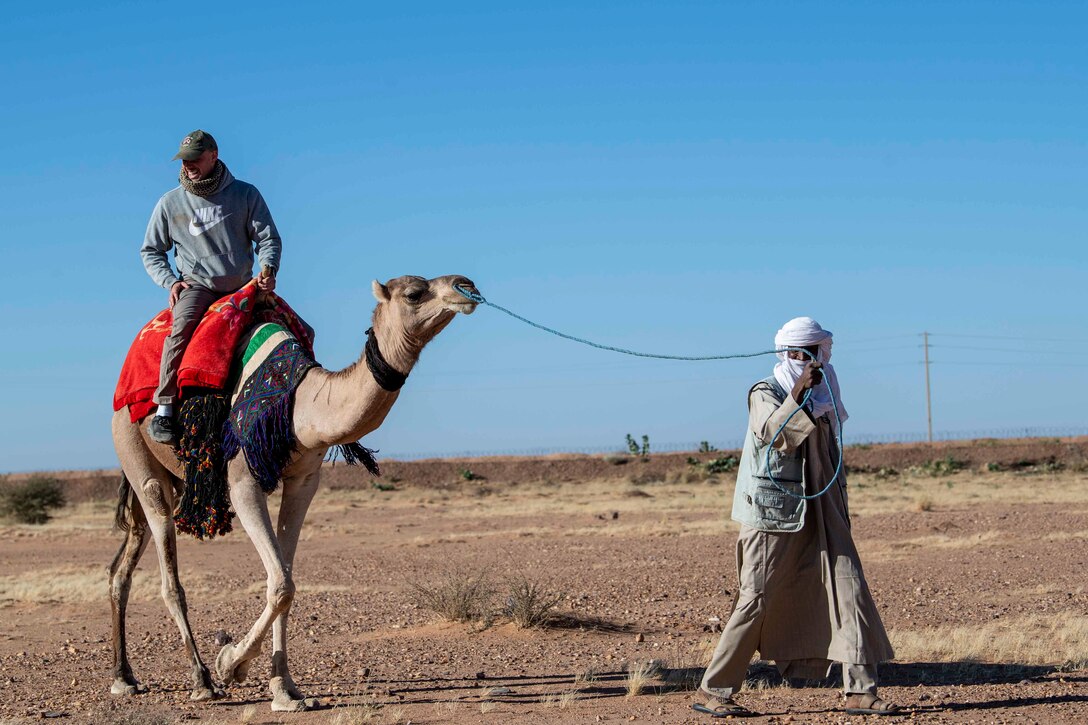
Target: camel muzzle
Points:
x,y
464,287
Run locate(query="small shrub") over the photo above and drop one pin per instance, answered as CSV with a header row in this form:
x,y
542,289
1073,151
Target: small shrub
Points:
x,y
30,503
1031,467
693,461
458,597
383,486
941,467
885,472
641,479
529,604
468,475
923,503
642,451
688,475
616,460
721,465
993,467
705,447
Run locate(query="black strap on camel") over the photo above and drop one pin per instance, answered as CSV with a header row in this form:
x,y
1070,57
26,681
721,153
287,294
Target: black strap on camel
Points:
x,y
387,377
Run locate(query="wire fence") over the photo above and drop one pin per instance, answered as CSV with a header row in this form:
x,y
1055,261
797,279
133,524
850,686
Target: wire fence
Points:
x,y
736,443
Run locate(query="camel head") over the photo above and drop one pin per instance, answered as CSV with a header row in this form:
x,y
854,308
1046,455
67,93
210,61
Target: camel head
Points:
x,y
412,310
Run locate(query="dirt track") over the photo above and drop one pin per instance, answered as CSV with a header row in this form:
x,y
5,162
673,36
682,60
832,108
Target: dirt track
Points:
x,y
978,575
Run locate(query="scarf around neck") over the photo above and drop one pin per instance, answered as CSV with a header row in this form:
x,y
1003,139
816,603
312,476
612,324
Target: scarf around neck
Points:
x,y
208,185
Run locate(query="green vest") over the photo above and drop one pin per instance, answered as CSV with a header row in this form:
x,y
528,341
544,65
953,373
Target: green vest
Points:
x,y
757,502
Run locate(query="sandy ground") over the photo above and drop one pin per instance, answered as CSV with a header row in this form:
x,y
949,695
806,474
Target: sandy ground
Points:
x,y
979,576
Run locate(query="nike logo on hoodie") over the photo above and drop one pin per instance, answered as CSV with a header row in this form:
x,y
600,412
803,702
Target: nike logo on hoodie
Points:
x,y
206,218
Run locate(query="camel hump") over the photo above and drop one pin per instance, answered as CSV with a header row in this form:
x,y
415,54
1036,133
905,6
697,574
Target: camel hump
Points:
x,y
254,348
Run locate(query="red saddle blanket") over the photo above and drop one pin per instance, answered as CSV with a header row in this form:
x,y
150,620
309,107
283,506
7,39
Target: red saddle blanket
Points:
x,y
208,358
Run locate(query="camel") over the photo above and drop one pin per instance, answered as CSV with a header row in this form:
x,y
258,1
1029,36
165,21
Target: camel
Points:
x,y
330,408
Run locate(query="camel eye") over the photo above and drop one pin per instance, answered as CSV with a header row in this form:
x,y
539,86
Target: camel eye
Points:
x,y
414,295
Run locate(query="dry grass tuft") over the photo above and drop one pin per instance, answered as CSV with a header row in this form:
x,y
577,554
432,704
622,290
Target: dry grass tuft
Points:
x,y
144,718
447,711
529,604
1027,640
395,715
70,585
923,503
687,475
566,699
459,597
249,713
366,712
684,669
585,677
637,677
89,584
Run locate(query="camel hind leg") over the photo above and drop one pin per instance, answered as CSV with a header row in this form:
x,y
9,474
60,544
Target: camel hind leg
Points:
x,y
153,487
130,519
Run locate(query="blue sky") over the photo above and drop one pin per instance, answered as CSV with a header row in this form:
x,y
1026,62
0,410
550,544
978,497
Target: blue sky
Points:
x,y
672,177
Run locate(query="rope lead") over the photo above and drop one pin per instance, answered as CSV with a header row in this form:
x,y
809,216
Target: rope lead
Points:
x,y
479,299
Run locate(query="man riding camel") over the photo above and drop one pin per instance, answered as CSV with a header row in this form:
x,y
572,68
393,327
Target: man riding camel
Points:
x,y
213,222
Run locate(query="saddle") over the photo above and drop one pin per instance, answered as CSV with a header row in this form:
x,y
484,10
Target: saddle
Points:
x,y
209,362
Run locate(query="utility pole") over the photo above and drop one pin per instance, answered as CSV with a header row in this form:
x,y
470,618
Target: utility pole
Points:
x,y
929,408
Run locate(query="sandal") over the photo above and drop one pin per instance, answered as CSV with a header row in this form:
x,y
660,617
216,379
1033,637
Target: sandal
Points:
x,y
869,704
722,708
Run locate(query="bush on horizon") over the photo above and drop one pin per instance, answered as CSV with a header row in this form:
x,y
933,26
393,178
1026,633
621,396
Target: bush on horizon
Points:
x,y
31,502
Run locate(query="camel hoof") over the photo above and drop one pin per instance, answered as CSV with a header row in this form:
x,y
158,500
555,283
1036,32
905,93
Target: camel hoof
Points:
x,y
204,694
284,688
286,704
230,672
129,689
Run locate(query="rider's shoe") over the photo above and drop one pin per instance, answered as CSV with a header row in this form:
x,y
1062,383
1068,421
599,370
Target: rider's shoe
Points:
x,y
162,429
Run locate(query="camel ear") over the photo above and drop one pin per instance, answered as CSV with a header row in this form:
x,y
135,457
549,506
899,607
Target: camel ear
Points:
x,y
381,292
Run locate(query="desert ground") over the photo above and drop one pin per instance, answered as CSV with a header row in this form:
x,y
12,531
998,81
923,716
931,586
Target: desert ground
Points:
x,y
975,552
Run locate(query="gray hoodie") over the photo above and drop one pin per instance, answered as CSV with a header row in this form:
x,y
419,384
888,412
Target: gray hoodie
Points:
x,y
213,237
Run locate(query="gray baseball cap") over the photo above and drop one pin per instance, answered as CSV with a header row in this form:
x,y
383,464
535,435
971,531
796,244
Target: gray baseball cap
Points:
x,y
193,145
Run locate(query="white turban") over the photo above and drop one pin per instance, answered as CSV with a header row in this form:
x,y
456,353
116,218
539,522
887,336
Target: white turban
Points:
x,y
805,332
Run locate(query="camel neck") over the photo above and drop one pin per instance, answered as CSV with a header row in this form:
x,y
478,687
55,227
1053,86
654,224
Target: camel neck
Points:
x,y
342,407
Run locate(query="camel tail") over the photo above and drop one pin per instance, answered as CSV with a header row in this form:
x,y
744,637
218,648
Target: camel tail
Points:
x,y
122,518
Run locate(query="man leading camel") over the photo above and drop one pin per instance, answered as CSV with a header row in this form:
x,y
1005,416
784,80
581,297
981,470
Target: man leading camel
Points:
x,y
213,222
802,600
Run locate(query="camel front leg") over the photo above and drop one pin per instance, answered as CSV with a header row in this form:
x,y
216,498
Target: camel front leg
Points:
x,y
251,505
298,492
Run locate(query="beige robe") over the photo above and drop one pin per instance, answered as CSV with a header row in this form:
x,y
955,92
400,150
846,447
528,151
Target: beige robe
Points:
x,y
802,601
